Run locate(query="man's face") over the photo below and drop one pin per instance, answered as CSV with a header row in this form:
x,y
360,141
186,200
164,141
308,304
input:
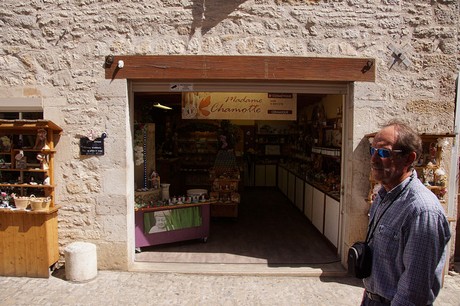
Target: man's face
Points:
x,y
387,170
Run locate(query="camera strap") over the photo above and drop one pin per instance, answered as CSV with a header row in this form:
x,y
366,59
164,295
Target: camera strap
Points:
x,y
372,227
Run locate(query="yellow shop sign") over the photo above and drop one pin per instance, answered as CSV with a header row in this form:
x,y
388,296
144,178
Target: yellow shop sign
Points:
x,y
231,105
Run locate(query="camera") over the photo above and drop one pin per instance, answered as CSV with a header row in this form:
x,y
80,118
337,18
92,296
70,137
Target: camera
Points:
x,y
360,260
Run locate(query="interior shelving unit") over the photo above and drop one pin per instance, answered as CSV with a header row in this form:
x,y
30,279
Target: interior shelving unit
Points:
x,y
197,152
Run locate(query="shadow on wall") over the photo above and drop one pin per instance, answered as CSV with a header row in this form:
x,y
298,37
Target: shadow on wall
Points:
x,y
208,13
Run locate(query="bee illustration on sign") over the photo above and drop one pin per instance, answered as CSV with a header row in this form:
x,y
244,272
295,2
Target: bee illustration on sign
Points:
x,y
193,106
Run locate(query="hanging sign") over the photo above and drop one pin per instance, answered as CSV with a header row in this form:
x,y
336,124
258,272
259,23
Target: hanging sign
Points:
x,y
92,147
231,105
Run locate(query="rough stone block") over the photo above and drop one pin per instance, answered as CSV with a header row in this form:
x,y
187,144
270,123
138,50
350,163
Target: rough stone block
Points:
x,y
80,261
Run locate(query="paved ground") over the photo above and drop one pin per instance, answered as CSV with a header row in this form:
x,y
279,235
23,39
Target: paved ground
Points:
x,y
147,288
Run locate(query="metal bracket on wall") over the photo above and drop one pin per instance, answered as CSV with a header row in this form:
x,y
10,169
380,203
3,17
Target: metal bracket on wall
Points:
x,y
398,56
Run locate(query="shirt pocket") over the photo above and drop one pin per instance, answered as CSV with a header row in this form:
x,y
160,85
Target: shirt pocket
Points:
x,y
386,242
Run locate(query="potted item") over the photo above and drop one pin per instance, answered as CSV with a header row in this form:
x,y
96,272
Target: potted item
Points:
x,y
5,199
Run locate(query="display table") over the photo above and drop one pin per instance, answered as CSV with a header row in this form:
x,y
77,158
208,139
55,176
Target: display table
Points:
x,y
28,242
166,224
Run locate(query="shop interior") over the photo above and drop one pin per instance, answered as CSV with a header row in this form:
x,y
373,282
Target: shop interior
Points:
x,y
237,163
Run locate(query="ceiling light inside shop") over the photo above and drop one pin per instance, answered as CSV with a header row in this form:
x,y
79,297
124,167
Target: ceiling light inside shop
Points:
x,y
158,105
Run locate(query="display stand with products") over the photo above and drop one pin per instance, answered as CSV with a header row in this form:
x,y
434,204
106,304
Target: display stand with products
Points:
x,y
310,177
197,151
271,147
225,178
316,145
28,236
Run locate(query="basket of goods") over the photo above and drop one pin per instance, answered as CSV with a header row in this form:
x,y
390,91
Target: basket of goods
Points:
x,y
21,202
40,203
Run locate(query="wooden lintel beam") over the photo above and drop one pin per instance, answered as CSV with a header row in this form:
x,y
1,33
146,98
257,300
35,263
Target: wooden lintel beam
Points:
x,y
208,67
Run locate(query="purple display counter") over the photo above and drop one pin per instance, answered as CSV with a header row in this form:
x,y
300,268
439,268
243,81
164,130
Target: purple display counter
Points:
x,y
166,224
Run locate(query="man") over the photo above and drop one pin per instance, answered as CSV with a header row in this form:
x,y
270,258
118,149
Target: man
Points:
x,y
410,230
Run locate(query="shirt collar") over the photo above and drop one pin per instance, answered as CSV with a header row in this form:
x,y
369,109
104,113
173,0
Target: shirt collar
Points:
x,y
388,196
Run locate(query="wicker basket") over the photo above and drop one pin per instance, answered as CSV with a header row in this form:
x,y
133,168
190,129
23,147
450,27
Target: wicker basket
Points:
x,y
21,202
40,204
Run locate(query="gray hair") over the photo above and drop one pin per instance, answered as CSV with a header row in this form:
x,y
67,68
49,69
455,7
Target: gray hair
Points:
x,y
407,139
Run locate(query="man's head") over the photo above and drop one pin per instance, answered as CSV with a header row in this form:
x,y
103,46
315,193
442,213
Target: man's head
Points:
x,y
394,150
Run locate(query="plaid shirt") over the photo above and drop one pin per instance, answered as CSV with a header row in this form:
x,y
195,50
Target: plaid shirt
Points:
x,y
408,245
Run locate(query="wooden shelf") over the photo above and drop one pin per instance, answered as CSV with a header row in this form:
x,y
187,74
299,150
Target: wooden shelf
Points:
x,y
24,170
27,185
29,239
30,212
21,126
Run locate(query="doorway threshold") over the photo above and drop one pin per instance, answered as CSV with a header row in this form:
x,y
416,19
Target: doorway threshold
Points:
x,y
331,269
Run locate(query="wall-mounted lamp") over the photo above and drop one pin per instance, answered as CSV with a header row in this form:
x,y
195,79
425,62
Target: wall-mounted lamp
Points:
x,y
121,64
158,105
108,61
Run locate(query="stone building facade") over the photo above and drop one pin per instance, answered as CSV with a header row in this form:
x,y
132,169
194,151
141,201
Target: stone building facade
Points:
x,y
52,56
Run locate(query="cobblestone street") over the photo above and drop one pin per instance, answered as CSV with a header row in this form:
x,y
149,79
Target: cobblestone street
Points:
x,y
142,288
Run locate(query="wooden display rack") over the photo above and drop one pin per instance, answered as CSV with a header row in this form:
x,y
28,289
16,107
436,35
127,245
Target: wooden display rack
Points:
x,y
28,239
227,198
225,178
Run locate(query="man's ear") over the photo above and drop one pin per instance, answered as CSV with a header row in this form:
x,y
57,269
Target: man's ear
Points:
x,y
411,158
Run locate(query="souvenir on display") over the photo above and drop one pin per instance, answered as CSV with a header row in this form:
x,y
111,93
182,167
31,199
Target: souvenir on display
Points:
x,y
40,141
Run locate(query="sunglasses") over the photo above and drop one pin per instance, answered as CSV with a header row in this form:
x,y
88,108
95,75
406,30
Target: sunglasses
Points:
x,y
383,153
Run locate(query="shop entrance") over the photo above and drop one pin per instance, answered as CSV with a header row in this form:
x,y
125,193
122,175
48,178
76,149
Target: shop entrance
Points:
x,y
285,184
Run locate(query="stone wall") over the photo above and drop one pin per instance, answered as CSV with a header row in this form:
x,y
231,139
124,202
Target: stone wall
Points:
x,y
55,49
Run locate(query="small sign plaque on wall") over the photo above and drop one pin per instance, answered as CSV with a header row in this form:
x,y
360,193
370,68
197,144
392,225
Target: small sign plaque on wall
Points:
x,y
92,147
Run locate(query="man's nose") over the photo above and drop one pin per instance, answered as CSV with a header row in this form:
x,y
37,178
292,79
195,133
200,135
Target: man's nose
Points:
x,y
375,156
